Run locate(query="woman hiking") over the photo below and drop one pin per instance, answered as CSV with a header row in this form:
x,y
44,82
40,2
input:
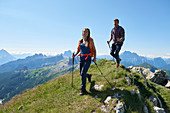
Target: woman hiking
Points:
x,y
87,51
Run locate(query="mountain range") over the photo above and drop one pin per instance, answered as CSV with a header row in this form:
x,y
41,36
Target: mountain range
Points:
x,y
131,58
32,62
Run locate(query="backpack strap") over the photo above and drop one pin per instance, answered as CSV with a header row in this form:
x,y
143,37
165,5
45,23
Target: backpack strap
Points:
x,y
80,41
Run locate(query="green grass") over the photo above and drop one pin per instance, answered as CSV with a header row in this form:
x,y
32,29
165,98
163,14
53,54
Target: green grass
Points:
x,y
57,95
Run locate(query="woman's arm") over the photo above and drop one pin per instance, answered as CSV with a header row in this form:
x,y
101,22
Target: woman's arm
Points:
x,y
78,50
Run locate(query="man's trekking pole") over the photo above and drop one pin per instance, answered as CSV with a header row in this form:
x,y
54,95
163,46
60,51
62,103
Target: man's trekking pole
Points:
x,y
109,45
72,69
102,74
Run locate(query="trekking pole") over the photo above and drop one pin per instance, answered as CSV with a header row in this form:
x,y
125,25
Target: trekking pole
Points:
x,y
72,69
102,74
108,45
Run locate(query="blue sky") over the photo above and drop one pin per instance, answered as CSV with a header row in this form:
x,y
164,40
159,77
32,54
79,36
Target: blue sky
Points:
x,y
53,26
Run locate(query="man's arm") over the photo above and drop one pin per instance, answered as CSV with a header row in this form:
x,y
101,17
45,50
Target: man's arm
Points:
x,y
111,37
122,34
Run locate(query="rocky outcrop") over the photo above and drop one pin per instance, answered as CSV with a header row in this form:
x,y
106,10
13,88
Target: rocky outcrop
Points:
x,y
113,104
159,76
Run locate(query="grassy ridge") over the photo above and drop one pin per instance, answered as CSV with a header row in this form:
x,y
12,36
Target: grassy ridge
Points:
x,y
57,95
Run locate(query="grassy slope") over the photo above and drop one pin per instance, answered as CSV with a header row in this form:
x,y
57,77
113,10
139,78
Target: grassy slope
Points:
x,y
57,95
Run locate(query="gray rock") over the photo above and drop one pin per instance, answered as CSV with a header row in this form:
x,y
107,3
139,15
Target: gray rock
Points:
x,y
97,87
128,80
168,84
1,101
104,109
159,77
145,109
107,100
133,92
20,107
153,99
159,110
120,107
139,95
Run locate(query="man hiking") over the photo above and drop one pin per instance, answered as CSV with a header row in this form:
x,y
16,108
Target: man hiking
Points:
x,y
118,36
87,50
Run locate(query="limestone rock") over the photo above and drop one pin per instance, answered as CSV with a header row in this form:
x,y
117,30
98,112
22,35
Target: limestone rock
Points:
x,y
158,110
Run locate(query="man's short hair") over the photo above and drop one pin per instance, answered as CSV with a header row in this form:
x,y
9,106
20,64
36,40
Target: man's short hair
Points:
x,y
116,20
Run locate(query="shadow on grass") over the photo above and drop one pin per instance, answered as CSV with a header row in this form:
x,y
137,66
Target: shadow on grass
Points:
x,y
131,101
167,109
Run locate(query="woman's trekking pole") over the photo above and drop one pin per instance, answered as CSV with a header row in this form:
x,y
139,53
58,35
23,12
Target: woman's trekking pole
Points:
x,y
102,74
72,69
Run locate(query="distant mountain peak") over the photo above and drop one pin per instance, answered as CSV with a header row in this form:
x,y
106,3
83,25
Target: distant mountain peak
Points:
x,y
3,51
5,57
67,53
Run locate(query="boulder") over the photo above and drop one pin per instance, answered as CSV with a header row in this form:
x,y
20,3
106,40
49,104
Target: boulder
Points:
x,y
159,77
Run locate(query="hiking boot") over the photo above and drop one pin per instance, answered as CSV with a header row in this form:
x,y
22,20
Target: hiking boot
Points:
x,y
83,93
117,65
89,77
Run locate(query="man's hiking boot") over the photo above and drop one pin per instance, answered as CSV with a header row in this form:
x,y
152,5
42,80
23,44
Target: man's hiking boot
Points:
x,y
83,93
117,65
89,77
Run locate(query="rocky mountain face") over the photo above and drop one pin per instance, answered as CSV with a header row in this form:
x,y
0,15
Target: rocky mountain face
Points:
x,y
67,54
167,60
5,57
